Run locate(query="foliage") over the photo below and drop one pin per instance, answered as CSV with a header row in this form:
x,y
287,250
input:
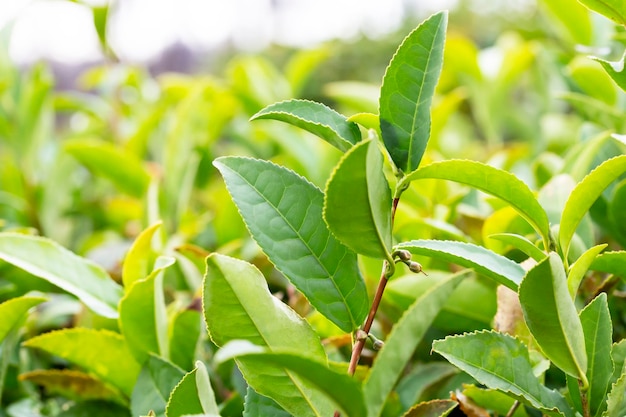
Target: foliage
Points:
x,y
169,248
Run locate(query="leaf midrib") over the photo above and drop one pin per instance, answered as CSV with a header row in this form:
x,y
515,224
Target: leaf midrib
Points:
x,y
317,259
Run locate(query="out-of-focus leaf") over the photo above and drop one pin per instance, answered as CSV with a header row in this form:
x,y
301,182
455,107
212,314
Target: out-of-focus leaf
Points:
x,y
501,362
183,334
552,318
490,264
593,80
407,91
283,212
585,194
433,408
573,17
357,203
259,405
402,342
71,384
492,399
615,70
156,381
140,258
122,168
611,263
13,310
143,319
616,400
78,276
316,118
109,354
411,386
302,65
613,9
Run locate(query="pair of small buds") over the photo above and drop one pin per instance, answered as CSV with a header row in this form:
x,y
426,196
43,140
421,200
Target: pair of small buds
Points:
x,y
404,256
377,344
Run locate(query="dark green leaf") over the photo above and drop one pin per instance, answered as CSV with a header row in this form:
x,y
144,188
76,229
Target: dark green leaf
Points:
x,y
407,91
258,405
283,212
552,317
492,265
78,276
193,394
154,385
501,362
357,206
315,118
403,340
494,181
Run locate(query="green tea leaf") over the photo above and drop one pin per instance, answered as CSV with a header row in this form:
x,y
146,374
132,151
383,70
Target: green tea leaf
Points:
x,y
283,212
109,355
78,276
483,261
156,381
183,332
127,173
140,258
616,400
238,305
521,243
611,262
615,70
501,362
193,394
574,18
585,194
12,311
579,268
433,408
402,342
143,318
592,79
613,9
495,401
71,384
316,118
494,181
357,206
552,317
596,322
422,376
407,92
258,405
341,388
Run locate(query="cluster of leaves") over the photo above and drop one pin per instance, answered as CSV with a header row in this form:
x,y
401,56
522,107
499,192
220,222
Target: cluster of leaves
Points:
x,y
277,325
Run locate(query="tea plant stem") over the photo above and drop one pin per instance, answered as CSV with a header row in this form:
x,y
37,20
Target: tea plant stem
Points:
x,y
583,398
360,342
513,409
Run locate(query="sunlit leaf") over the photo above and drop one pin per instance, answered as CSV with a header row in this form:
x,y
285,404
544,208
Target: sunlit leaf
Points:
x,y
13,310
615,70
140,258
407,91
521,243
78,276
108,354
579,268
613,9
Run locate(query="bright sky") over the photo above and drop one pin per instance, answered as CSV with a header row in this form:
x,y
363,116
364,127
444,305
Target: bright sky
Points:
x,y
140,29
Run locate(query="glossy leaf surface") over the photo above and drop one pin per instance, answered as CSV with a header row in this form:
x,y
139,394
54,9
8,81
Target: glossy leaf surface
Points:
x,y
112,354
407,92
283,212
490,264
357,205
78,276
316,118
552,317
500,361
238,305
494,181
585,194
402,342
